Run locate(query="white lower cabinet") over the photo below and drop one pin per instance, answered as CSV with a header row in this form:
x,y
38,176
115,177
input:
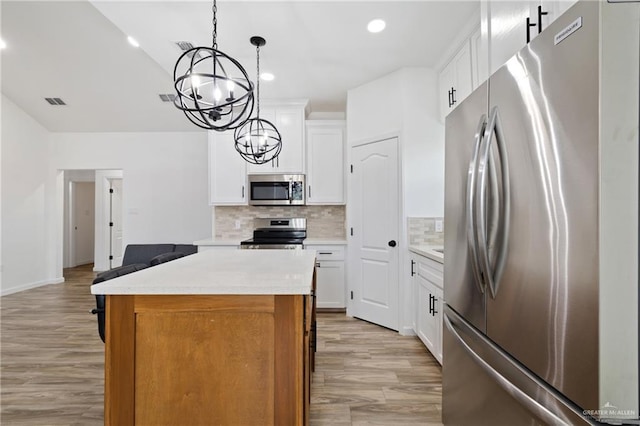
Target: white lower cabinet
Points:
x,y
330,276
427,282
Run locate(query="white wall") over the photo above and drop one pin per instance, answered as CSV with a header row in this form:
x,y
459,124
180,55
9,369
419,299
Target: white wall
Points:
x,y
25,211
165,195
423,144
405,104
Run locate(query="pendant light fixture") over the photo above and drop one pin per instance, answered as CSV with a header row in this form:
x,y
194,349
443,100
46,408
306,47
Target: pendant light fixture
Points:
x,y
214,90
258,141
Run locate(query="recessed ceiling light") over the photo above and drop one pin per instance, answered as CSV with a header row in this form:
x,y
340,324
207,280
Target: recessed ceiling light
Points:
x,y
267,76
376,26
2,44
132,41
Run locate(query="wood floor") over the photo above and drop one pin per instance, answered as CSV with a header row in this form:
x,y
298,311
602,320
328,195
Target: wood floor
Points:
x,y
52,365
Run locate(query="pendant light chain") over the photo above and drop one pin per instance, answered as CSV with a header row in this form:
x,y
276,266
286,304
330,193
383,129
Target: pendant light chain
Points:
x,y
258,81
214,9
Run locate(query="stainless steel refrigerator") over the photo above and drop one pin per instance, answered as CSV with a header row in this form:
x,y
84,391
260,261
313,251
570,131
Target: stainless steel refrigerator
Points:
x,y
541,242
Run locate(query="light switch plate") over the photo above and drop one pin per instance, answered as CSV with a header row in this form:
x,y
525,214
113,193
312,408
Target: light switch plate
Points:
x,y
438,225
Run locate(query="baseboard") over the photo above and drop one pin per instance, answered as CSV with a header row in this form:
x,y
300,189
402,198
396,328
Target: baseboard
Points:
x,y
331,310
27,286
407,331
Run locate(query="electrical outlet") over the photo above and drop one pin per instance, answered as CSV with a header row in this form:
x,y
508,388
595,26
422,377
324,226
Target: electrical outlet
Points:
x,y
238,223
439,225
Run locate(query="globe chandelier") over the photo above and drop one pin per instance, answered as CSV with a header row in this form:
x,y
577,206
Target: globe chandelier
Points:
x,y
257,140
213,89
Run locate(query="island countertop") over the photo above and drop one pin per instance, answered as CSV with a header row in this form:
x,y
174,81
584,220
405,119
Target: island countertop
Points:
x,y
255,272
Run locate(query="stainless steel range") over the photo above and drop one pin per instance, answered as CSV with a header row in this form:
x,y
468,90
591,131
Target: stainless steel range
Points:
x,y
277,233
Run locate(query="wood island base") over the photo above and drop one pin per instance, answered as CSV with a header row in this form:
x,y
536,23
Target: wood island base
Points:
x,y
208,360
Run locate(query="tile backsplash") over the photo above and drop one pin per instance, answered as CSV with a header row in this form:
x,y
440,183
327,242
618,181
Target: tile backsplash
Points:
x,y
322,221
422,230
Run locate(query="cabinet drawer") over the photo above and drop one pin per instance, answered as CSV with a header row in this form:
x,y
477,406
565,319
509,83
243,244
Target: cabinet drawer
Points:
x,y
328,252
430,272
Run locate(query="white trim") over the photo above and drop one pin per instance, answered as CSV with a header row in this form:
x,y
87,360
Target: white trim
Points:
x,y
407,331
27,286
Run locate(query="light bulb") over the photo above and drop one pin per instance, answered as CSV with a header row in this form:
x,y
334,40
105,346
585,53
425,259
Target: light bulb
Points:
x,y
376,26
231,85
217,94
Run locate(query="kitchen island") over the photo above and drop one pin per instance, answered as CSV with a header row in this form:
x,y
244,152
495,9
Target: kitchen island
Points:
x,y
219,337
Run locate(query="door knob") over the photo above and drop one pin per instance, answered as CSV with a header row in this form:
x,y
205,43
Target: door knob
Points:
x,y
392,243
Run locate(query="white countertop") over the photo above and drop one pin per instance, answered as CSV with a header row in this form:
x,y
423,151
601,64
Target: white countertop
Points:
x,y
427,250
221,272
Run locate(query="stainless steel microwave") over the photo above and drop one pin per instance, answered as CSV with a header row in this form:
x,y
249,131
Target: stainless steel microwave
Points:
x,y
277,190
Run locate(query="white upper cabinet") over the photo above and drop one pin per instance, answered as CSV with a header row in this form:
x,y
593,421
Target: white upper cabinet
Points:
x,y
455,81
227,170
325,162
289,120
478,59
512,23
507,30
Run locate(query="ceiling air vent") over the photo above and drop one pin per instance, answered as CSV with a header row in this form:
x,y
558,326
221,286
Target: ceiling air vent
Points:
x,y
187,45
169,97
55,101
184,45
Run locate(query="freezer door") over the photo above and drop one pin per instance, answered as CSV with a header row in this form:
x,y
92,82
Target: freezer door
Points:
x,y
463,288
483,386
545,311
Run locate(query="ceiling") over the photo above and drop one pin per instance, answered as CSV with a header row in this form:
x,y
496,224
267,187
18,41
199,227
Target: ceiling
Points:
x,y
318,50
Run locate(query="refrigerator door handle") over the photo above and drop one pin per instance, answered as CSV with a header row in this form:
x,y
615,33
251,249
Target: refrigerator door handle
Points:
x,y
525,400
492,277
471,204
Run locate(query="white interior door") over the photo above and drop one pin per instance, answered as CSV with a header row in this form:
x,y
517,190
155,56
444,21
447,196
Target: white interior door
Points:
x,y
375,209
115,222
83,194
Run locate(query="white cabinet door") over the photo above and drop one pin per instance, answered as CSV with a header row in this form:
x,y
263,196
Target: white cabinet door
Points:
x,y
508,25
227,171
455,80
463,76
478,59
437,315
325,162
507,30
290,124
330,276
429,279
413,286
446,81
330,287
427,324
553,9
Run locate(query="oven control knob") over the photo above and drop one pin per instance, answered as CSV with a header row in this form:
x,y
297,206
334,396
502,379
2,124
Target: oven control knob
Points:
x,y
392,243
